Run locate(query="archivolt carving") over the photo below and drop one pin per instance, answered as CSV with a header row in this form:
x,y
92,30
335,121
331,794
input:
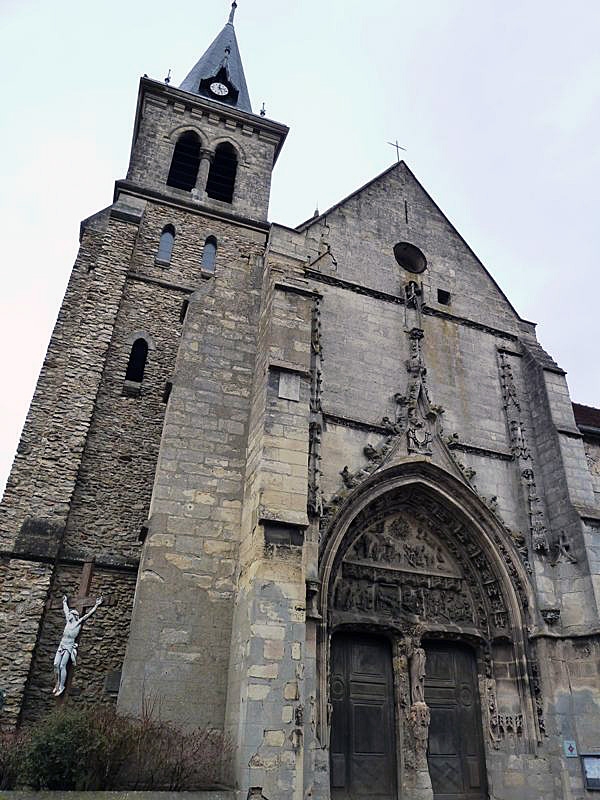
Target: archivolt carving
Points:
x,y
409,558
415,557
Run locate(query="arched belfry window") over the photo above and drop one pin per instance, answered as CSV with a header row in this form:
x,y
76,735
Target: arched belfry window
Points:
x,y
165,246
137,361
221,176
209,255
186,160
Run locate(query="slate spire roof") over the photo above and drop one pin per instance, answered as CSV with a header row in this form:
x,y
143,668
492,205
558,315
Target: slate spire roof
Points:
x,y
223,54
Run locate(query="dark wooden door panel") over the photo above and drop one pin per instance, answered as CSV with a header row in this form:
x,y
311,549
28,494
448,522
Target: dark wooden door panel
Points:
x,y
363,748
455,753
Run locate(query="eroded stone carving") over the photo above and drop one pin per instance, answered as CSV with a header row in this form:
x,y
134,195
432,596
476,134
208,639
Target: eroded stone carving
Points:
x,y
521,452
415,566
417,675
550,615
561,550
536,686
315,493
593,459
539,534
420,718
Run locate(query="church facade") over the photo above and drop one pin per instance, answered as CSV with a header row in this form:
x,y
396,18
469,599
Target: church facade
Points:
x,y
330,487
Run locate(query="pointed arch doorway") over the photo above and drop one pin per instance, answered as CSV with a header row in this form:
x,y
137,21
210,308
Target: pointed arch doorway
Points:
x,y
409,564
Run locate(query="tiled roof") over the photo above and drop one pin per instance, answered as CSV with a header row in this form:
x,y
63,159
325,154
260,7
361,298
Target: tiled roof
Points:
x,y
586,415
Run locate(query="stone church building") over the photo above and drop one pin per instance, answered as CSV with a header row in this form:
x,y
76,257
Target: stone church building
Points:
x,y
332,490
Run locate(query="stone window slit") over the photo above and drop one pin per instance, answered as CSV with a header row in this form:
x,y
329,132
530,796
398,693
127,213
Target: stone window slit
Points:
x,y
165,246
209,256
136,366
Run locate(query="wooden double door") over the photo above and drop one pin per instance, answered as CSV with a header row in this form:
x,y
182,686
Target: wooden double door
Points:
x,y
363,726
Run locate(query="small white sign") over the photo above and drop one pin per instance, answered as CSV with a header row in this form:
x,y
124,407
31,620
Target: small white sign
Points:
x,y
289,386
570,748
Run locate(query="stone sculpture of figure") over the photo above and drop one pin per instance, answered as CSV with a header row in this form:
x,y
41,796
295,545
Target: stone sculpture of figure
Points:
x,y
67,649
417,675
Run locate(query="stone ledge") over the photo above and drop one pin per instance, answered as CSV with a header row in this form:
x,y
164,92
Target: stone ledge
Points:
x,y
30,794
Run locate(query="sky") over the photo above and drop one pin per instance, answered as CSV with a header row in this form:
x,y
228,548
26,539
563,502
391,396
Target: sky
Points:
x,y
497,105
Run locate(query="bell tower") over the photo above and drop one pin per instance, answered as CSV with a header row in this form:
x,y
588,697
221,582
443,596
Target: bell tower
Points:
x,y
201,162
128,481
201,143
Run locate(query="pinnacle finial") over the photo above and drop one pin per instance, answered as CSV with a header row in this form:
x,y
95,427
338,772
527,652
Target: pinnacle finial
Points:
x,y
232,12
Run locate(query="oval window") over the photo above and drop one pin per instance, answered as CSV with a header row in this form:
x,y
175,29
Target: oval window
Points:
x,y
410,257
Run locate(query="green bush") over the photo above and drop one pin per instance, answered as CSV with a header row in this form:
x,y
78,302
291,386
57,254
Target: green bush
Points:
x,y
95,749
67,750
11,750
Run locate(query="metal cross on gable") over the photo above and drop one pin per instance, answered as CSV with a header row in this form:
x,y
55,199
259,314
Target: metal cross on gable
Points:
x,y
397,148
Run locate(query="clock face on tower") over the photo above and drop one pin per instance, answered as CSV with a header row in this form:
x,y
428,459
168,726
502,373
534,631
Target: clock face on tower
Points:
x,y
219,89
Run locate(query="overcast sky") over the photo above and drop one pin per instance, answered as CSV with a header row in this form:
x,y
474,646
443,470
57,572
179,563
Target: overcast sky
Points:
x,y
497,103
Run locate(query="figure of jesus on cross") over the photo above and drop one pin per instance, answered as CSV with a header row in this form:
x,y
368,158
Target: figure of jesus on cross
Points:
x,y
67,649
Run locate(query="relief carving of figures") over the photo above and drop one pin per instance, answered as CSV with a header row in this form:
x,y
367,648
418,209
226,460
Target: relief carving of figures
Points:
x,y
354,596
401,545
419,439
411,560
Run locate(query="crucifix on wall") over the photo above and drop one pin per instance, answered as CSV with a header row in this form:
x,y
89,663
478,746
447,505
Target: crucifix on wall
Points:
x,y
75,616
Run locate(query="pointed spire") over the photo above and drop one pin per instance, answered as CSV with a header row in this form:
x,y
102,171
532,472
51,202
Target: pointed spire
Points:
x,y
221,65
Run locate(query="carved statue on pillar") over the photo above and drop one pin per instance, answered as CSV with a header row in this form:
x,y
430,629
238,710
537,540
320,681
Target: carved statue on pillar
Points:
x,y
419,722
417,675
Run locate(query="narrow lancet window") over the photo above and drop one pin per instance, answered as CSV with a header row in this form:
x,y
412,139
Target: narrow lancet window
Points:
x,y
137,361
209,255
221,176
186,160
165,246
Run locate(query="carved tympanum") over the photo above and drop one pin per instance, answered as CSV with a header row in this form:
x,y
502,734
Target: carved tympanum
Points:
x,y
407,558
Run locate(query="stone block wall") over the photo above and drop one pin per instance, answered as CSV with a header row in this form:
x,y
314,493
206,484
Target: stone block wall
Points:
x,y
46,466
37,501
181,624
23,591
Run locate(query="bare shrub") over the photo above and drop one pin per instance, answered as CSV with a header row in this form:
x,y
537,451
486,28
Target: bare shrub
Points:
x,y
98,749
165,757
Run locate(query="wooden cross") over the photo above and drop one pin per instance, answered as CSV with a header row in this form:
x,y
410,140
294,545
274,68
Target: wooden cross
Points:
x,y
83,599
398,148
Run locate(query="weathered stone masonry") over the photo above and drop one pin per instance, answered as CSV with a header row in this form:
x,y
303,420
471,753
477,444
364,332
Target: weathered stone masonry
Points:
x,y
345,442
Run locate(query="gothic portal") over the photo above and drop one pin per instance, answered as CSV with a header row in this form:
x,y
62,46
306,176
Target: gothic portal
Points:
x,y
329,485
